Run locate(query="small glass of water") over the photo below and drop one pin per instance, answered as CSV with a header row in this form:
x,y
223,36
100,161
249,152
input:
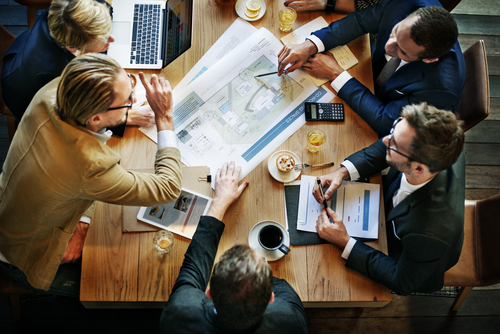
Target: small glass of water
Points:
x,y
163,241
287,16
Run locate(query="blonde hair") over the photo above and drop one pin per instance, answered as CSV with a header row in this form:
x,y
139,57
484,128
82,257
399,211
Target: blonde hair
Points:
x,y
86,87
79,23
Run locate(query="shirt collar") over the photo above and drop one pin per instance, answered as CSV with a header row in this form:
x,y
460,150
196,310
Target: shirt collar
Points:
x,y
103,136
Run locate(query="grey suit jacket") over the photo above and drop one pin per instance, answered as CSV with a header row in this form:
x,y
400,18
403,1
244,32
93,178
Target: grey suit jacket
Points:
x,y
424,231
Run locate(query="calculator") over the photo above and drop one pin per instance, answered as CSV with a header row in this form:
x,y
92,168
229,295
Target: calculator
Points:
x,y
326,112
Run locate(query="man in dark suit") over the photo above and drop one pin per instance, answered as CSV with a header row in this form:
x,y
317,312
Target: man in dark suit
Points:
x,y
424,195
416,38
243,296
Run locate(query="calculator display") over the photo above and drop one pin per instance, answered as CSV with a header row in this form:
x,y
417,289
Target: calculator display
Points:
x,y
313,111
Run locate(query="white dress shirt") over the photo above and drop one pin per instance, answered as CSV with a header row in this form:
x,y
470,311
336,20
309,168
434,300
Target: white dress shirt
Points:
x,y
404,190
342,79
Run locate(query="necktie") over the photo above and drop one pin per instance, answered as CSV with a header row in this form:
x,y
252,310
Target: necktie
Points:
x,y
387,71
389,194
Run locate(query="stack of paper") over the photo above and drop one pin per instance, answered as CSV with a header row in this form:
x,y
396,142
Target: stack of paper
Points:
x,y
223,113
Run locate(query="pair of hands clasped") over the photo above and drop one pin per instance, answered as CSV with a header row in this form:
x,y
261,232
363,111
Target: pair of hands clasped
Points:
x,y
332,232
305,56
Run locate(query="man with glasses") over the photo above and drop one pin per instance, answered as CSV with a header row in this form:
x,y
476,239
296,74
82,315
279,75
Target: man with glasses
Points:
x,y
58,165
424,194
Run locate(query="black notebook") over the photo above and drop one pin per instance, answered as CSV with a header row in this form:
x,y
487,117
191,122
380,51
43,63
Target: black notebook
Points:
x,y
297,238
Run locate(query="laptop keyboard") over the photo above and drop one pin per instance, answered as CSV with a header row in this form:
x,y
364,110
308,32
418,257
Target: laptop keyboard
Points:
x,y
145,34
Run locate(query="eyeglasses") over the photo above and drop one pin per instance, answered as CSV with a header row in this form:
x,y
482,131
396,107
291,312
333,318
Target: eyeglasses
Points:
x,y
131,97
391,138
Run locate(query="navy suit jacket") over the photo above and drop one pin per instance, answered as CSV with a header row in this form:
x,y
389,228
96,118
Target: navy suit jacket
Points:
x,y
424,231
189,310
32,61
439,84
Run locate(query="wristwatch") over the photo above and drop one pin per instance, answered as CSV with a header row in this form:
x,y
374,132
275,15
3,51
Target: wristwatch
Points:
x,y
330,5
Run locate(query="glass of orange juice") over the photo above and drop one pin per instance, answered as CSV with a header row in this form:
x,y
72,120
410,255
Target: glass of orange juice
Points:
x,y
315,138
163,241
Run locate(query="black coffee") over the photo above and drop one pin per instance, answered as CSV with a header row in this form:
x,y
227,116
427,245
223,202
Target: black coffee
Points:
x,y
270,236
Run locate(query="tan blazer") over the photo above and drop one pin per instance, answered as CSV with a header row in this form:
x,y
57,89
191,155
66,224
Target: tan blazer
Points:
x,y
53,172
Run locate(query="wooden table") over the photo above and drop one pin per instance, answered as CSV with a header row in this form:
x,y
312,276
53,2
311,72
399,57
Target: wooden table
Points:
x,y
122,269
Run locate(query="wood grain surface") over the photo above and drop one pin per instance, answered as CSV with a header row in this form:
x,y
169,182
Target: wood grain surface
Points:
x,y
118,268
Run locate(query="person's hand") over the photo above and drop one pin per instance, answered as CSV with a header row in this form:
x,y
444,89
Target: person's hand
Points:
x,y
141,116
296,55
346,6
227,189
333,181
306,5
323,66
159,96
335,232
75,245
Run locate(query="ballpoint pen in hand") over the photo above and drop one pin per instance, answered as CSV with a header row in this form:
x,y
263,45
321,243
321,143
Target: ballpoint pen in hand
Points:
x,y
324,200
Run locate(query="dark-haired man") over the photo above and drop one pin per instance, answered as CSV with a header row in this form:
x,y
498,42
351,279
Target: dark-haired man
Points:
x,y
417,40
243,296
424,194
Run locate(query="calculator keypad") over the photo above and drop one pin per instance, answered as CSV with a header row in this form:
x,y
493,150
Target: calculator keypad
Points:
x,y
331,112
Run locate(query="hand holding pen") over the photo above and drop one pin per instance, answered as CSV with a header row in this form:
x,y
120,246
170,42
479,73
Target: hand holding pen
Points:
x,y
325,205
329,226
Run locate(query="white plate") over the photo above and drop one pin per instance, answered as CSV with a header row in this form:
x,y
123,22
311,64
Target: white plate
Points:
x,y
253,240
241,5
276,173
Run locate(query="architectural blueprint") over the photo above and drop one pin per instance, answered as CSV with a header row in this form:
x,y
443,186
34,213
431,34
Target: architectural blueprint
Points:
x,y
226,114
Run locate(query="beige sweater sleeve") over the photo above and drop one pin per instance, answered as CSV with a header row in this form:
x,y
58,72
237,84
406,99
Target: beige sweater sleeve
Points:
x,y
108,182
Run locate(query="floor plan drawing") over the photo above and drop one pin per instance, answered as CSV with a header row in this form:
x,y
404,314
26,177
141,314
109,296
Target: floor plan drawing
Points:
x,y
227,114
246,106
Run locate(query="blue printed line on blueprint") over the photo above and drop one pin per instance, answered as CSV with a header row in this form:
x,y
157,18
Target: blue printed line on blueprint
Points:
x,y
203,70
366,209
281,126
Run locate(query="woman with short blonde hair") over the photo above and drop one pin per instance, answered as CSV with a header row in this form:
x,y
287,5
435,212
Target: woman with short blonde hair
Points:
x,y
83,24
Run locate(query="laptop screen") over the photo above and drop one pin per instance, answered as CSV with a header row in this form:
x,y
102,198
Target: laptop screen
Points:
x,y
178,30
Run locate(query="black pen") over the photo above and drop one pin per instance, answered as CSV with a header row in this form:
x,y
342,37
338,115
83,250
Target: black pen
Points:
x,y
263,75
324,200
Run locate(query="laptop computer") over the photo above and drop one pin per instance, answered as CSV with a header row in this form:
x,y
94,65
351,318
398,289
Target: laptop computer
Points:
x,y
150,34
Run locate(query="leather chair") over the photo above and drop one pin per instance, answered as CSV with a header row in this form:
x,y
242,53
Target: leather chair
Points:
x,y
33,6
478,264
14,291
449,4
6,40
475,102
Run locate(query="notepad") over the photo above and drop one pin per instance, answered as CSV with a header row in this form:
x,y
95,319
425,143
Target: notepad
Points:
x,y
356,203
342,54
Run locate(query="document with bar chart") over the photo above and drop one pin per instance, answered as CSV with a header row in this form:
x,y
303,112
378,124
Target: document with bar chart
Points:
x,y
356,203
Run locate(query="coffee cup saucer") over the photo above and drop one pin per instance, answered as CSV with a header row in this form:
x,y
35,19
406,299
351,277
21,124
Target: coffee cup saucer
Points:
x,y
253,240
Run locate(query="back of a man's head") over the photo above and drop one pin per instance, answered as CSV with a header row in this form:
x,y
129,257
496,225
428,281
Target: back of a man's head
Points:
x,y
241,286
439,139
86,87
79,23
436,31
